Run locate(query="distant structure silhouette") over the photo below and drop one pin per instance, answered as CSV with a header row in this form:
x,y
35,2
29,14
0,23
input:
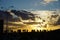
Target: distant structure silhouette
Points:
x,y
1,26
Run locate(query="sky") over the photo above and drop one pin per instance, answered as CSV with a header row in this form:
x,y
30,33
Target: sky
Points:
x,y
35,6
30,4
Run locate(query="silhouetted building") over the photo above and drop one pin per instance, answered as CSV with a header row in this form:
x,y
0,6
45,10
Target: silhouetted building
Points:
x,y
38,31
1,26
24,31
19,31
33,31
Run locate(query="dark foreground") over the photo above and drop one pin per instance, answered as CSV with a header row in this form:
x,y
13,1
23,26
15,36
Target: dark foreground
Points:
x,y
52,35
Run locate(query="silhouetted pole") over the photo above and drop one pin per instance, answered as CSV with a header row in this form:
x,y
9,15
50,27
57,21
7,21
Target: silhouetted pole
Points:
x,y
7,24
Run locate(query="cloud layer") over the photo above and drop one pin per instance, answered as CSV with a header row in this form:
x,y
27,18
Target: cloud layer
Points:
x,y
48,1
53,17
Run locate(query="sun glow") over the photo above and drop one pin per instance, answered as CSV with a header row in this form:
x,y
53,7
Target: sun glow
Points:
x,y
40,22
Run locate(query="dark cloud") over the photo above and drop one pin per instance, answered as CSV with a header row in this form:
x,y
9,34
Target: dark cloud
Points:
x,y
23,14
58,21
55,19
54,16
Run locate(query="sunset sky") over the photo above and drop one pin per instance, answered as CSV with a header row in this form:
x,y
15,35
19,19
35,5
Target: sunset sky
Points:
x,y
43,9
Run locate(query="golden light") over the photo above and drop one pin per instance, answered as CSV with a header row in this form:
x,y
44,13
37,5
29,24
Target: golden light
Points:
x,y
37,24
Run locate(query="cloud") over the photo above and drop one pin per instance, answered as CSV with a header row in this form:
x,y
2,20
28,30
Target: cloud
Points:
x,y
43,2
58,21
48,1
52,16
